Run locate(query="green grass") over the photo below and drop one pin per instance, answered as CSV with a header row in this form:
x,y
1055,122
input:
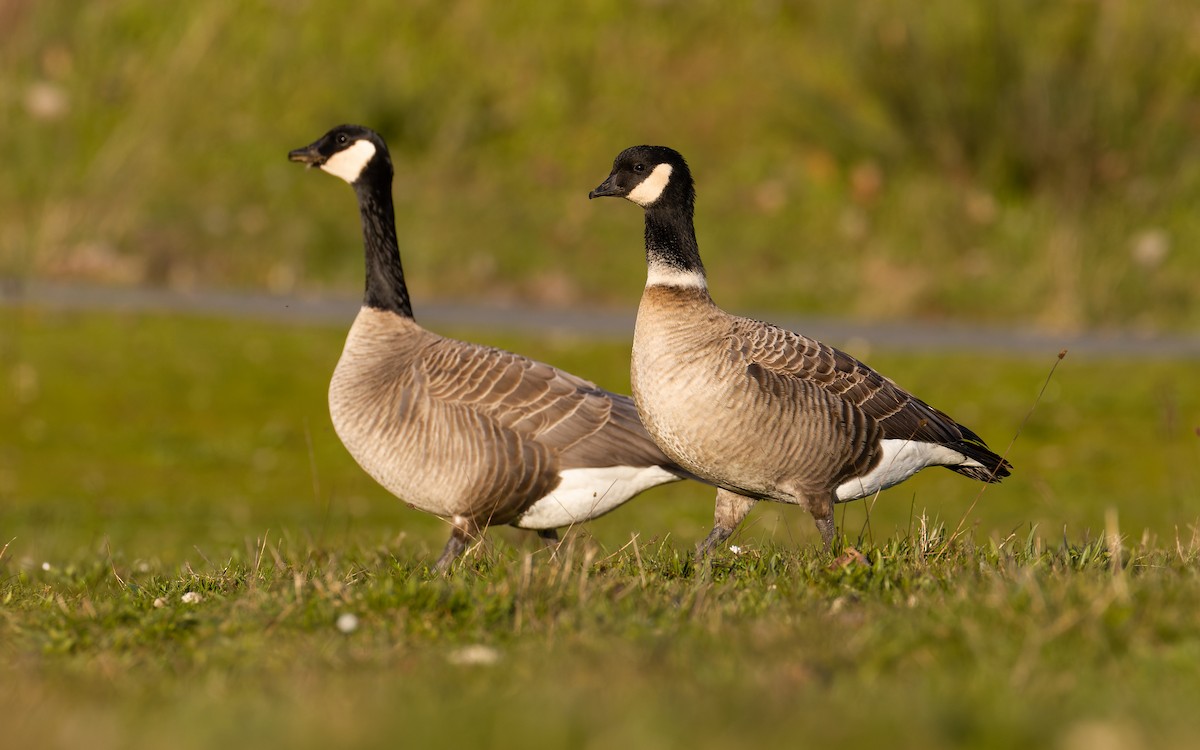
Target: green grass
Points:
x,y
1008,160
966,646
148,456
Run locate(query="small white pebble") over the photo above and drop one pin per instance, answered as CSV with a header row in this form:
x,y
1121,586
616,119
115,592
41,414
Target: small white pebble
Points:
x,y
477,654
159,603
191,597
347,622
45,566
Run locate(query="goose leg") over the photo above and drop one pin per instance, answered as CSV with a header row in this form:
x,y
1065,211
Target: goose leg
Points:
x,y
454,547
822,513
827,529
549,537
731,508
463,531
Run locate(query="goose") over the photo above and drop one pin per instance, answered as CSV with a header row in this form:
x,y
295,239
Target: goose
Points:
x,y
762,412
476,435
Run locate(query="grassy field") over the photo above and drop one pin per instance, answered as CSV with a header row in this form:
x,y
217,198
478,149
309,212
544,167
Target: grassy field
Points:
x,y
1003,160
146,457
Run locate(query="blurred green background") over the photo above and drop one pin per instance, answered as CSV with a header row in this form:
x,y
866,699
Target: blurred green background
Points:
x,y
1030,162
180,440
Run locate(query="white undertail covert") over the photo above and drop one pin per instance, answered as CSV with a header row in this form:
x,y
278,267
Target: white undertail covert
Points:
x,y
901,459
587,493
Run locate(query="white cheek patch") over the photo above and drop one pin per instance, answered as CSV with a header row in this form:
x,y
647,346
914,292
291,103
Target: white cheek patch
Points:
x,y
649,189
349,163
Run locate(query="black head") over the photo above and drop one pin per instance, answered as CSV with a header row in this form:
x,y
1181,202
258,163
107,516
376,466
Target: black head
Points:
x,y
649,176
348,151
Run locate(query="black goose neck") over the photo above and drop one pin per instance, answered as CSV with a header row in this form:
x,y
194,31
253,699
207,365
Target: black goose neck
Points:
x,y
385,287
671,238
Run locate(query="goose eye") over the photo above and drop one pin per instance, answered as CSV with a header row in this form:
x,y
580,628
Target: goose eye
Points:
x,y
342,139
639,167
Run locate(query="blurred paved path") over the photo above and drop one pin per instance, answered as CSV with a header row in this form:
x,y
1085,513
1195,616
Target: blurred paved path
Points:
x,y
858,337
